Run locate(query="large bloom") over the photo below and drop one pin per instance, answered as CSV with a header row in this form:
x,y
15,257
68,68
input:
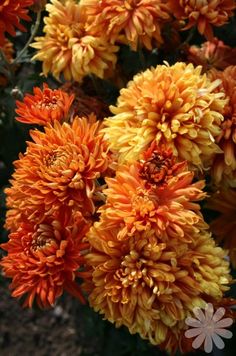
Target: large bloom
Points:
x,y
44,107
139,21
66,48
152,259
60,168
11,12
202,13
224,166
174,106
224,226
155,194
212,54
44,259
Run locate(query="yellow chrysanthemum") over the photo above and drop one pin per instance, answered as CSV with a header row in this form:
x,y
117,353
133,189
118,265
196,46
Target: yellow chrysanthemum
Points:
x,y
152,259
66,48
138,21
174,106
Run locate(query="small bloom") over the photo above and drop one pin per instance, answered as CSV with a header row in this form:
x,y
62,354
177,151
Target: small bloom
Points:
x,y
224,226
152,259
139,21
44,107
175,106
202,13
212,54
66,48
224,165
59,169
44,259
11,12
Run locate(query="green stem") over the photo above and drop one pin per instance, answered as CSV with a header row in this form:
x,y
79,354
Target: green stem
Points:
x,y
33,33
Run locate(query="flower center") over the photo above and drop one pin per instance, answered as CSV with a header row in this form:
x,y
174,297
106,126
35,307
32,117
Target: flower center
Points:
x,y
142,204
140,267
156,168
48,103
54,158
43,237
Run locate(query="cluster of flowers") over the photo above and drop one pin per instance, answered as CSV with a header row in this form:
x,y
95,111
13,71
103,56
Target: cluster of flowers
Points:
x,y
110,209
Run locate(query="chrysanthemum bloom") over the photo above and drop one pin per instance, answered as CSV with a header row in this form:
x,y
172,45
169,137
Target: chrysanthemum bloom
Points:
x,y
174,106
151,257
66,48
139,20
160,196
44,259
202,13
224,226
224,166
60,168
11,12
44,107
212,54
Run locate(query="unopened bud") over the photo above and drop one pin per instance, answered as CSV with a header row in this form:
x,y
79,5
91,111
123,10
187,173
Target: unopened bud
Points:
x,y
17,93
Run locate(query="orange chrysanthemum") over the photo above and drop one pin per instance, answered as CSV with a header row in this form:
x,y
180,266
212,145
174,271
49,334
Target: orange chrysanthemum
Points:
x,y
152,259
202,13
212,54
224,226
43,259
44,107
11,12
162,208
139,21
224,166
60,168
174,106
67,48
